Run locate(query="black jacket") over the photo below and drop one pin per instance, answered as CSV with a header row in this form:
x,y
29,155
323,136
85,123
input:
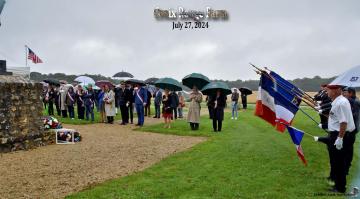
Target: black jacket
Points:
x,y
124,96
221,101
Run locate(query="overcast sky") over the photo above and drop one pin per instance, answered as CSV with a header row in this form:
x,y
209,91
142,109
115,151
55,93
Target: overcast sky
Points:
x,y
295,38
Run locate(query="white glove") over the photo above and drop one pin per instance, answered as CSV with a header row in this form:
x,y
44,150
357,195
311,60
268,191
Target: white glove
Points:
x,y
317,107
339,143
316,138
320,125
320,111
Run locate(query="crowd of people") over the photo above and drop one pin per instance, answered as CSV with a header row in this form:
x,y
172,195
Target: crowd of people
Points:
x,y
339,113
126,98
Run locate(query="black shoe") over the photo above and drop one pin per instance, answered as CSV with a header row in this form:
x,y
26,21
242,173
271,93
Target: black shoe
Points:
x,y
122,123
154,117
334,190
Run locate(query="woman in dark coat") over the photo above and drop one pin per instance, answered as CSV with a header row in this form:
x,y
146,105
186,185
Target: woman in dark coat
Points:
x,y
80,102
167,110
70,102
218,102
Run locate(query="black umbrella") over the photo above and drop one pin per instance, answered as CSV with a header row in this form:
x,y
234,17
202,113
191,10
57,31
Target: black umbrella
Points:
x,y
52,82
195,79
123,74
245,90
151,80
213,87
135,81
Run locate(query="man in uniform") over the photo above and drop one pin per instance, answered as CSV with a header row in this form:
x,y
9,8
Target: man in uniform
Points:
x,y
340,125
350,94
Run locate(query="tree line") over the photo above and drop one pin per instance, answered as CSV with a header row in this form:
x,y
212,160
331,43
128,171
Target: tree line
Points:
x,y
306,84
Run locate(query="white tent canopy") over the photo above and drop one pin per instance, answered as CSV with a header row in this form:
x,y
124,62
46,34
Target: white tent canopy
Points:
x,y
349,78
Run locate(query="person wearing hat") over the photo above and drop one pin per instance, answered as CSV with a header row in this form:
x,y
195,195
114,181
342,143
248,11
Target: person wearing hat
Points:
x,y
140,96
350,94
340,124
124,101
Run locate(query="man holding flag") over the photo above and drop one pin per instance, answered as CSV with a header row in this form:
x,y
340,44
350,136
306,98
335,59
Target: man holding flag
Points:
x,y
340,125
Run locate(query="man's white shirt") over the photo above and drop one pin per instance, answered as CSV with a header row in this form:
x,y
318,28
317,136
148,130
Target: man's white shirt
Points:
x,y
340,112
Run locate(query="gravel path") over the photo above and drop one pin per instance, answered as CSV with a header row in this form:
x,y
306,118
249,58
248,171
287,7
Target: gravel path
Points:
x,y
106,152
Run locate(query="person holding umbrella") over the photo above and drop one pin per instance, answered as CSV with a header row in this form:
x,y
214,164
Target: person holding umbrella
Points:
x,y
167,109
195,81
124,100
131,102
102,104
218,91
244,93
194,108
219,102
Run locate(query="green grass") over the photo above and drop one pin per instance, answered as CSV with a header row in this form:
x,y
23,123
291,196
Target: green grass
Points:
x,y
249,159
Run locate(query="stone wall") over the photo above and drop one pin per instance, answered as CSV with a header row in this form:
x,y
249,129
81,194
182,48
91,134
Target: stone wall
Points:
x,y
21,126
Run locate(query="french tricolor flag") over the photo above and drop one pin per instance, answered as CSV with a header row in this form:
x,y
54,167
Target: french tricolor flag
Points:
x,y
296,136
265,104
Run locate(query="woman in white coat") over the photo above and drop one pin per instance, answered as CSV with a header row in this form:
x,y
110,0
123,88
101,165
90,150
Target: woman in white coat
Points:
x,y
109,99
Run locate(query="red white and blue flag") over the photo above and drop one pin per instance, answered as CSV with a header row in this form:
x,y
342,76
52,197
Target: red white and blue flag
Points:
x,y
296,136
275,104
33,57
265,104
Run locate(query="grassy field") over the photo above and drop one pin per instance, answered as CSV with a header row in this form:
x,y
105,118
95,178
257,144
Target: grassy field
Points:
x,y
249,159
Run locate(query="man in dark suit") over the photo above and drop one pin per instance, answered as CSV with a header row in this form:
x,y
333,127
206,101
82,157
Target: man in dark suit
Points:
x,y
174,103
131,102
157,102
124,101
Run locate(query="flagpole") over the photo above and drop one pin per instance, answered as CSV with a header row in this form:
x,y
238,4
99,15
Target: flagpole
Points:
x,y
26,62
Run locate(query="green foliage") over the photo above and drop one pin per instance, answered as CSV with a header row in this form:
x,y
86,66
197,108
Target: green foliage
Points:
x,y
249,159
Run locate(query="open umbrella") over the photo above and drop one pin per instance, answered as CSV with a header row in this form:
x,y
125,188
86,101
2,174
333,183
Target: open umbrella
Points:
x,y
85,80
245,90
349,78
135,81
52,82
168,83
123,74
151,80
195,79
102,83
212,87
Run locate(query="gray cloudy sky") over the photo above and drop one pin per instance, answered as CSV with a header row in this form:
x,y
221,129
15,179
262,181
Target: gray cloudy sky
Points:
x,y
295,38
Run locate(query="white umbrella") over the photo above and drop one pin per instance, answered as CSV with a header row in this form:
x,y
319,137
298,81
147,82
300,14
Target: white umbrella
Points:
x,y
85,80
350,78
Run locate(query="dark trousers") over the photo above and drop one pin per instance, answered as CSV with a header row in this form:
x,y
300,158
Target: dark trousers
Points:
x,y
51,108
218,116
338,163
157,111
140,113
80,111
324,121
124,114
89,111
110,119
58,110
71,111
350,152
174,113
147,110
211,112
131,112
64,113
326,140
244,105
194,126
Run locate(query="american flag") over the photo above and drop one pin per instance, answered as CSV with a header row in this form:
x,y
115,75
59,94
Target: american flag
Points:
x,y
32,56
